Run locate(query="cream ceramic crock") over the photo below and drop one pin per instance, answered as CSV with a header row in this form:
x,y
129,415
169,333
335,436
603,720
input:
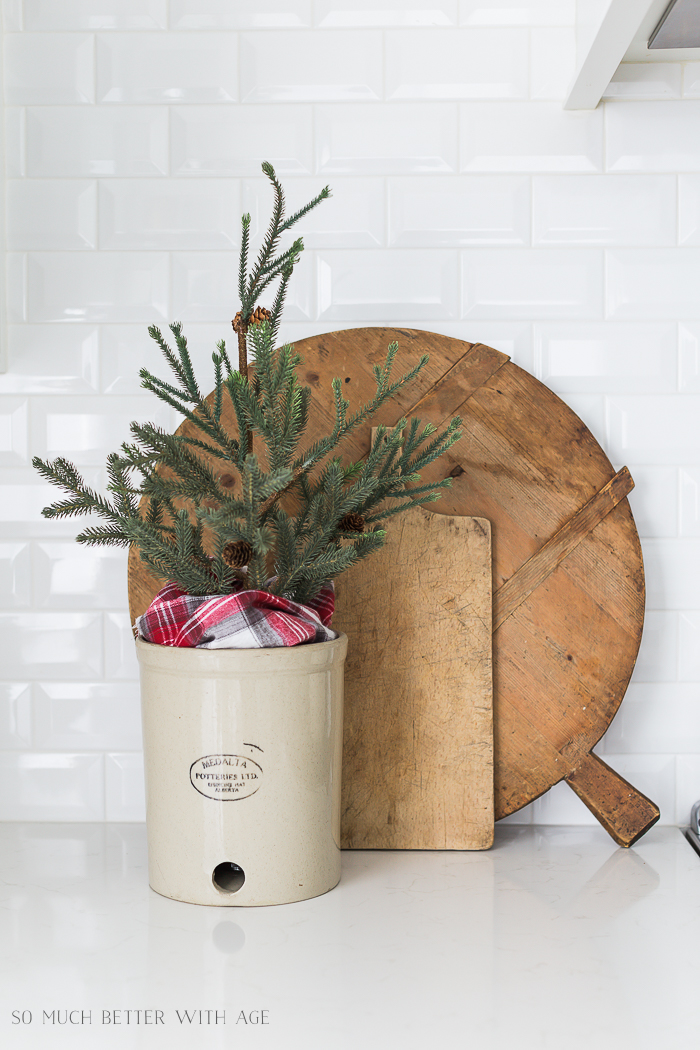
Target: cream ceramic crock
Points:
x,y
242,755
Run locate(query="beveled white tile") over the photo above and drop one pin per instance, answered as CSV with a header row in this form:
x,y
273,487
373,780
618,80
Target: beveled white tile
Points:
x,y
413,285
25,494
85,429
243,14
235,140
653,283
512,338
690,501
65,645
68,575
106,286
15,576
16,285
457,211
660,717
75,142
15,142
652,136
12,16
49,787
652,774
657,660
530,136
689,209
689,358
456,64
687,790
124,786
343,65
87,716
517,12
13,431
521,284
46,359
128,348
51,214
203,284
46,15
560,805
654,500
388,13
590,408
49,69
689,649
552,62
691,79
386,139
645,80
352,217
169,214
659,428
606,357
120,651
167,67
672,573
15,716
602,210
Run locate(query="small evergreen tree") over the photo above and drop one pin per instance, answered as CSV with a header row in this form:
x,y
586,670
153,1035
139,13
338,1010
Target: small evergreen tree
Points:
x,y
294,518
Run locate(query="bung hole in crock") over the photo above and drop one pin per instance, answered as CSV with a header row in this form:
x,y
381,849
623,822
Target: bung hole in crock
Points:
x,y
228,877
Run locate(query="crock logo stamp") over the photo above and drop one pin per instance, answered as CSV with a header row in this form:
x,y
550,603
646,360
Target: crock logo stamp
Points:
x,y
226,778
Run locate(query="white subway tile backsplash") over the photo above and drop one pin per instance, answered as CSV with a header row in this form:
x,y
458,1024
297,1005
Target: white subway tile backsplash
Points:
x,y
66,645
560,806
459,211
653,429
219,140
672,573
51,359
590,408
552,62
15,716
456,64
120,651
128,348
125,796
67,787
343,65
517,12
92,716
167,67
657,660
691,79
657,717
689,649
652,136
530,136
49,68
13,431
47,15
687,786
512,338
408,285
689,358
68,575
690,501
85,429
689,209
16,285
51,214
12,16
645,80
243,14
653,283
365,13
390,139
15,576
654,500
595,210
146,214
605,357
76,142
352,217
109,286
529,283
15,142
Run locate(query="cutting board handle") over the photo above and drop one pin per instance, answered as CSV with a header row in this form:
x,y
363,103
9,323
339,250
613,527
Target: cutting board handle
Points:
x,y
625,813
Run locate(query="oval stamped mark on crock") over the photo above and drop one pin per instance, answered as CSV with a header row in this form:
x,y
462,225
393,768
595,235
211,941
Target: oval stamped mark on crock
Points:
x,y
226,778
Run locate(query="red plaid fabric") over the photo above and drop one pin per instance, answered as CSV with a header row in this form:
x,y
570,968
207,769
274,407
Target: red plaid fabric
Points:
x,y
247,620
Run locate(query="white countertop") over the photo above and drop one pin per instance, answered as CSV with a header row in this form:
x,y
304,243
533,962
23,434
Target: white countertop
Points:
x,y
555,938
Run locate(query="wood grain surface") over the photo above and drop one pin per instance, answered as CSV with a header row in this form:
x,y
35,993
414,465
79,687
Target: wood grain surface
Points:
x,y
564,654
418,736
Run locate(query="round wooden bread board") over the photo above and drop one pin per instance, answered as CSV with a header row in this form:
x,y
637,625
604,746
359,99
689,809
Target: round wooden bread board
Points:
x,y
568,578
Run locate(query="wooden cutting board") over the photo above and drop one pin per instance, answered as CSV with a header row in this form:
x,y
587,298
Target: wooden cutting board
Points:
x,y
418,731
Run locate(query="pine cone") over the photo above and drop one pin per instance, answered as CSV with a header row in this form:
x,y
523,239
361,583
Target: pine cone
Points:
x,y
237,554
352,523
258,315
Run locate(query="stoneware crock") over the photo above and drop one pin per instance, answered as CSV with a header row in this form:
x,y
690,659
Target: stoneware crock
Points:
x,y
243,753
